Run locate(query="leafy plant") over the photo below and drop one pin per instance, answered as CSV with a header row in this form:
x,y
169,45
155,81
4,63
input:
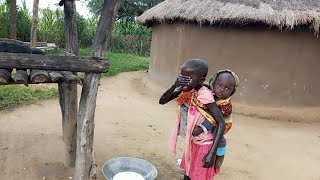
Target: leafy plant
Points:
x,y
51,26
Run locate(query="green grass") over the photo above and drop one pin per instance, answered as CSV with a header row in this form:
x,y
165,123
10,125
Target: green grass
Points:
x,y
122,62
14,95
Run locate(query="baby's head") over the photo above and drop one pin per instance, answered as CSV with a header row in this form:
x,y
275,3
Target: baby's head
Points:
x,y
224,84
197,70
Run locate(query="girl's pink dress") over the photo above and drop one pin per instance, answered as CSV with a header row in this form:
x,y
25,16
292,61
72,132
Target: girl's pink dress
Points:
x,y
195,147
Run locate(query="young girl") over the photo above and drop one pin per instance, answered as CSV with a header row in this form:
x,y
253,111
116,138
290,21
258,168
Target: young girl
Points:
x,y
199,151
223,84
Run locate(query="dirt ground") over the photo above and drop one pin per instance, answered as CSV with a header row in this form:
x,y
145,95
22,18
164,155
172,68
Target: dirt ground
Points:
x,y
130,122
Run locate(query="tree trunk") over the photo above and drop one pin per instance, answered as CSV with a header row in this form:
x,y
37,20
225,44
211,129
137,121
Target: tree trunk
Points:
x,y
85,162
69,108
35,21
68,91
70,22
103,33
13,19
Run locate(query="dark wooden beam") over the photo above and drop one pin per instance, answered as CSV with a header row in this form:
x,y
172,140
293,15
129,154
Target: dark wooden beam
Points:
x,y
48,62
49,82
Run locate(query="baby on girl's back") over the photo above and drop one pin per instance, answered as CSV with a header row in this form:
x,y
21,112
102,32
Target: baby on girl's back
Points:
x,y
204,116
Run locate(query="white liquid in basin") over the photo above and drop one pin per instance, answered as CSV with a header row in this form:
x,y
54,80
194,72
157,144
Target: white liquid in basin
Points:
x,y
128,175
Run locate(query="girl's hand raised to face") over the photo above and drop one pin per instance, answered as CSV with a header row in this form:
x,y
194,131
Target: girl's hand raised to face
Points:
x,y
182,81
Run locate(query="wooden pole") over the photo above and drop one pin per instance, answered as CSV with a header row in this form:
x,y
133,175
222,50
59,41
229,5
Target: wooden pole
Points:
x,y
69,108
85,161
68,91
35,21
70,23
104,30
13,19
85,166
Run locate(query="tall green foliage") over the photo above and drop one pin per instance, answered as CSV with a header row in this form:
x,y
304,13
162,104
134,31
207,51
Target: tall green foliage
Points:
x,y
129,9
51,26
23,21
4,19
129,37
86,30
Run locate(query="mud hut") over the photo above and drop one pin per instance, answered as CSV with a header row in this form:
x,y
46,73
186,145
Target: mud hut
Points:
x,y
273,45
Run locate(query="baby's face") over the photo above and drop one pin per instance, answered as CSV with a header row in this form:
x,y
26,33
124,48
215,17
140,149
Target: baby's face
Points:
x,y
224,86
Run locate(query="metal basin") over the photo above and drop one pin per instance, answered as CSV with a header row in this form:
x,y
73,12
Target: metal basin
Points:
x,y
124,164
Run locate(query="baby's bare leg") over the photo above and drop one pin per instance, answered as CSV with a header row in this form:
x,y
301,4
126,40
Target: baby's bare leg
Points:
x,y
219,161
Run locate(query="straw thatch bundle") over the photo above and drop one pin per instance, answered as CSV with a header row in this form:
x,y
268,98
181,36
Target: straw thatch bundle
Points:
x,y
280,13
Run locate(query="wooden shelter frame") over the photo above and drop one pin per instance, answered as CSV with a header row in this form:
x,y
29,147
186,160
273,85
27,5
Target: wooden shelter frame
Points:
x,y
77,125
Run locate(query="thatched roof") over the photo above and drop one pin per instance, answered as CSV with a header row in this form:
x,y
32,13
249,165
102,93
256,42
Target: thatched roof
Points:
x,y
280,13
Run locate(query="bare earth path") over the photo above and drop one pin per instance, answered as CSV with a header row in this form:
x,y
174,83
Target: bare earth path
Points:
x,y
129,122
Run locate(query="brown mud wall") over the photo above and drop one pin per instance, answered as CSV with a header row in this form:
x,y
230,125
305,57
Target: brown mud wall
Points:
x,y
276,69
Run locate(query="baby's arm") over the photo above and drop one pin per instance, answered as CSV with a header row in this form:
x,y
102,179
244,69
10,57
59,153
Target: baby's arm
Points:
x,y
210,158
205,126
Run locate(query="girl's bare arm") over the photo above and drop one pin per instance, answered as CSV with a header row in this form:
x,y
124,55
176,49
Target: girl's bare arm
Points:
x,y
214,110
174,91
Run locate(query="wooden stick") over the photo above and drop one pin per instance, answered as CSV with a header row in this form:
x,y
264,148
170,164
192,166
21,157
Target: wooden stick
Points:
x,y
35,22
13,19
69,110
93,171
68,91
22,77
85,162
39,76
85,128
48,62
